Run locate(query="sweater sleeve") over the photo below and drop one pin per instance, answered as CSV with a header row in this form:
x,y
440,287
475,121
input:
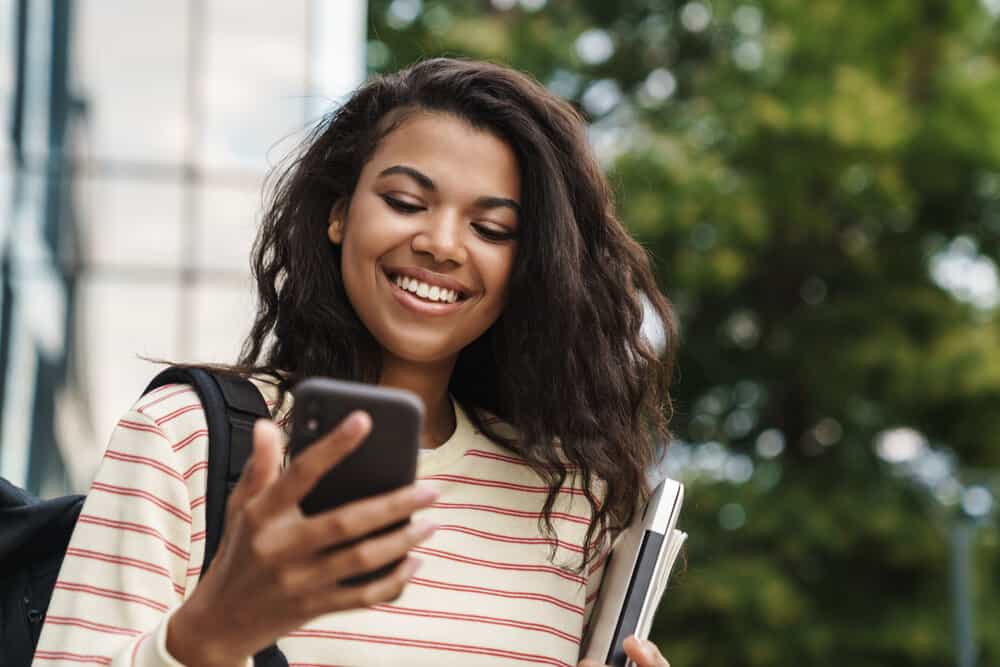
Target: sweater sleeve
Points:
x,y
137,547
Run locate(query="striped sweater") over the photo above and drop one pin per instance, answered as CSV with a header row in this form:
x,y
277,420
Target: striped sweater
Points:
x,y
486,594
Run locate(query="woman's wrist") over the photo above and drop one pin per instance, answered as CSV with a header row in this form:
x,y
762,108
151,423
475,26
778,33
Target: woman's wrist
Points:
x,y
188,642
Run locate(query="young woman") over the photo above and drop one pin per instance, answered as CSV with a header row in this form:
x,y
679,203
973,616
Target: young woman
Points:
x,y
445,231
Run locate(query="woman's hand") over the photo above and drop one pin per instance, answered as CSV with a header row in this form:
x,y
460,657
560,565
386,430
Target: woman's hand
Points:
x,y
276,568
643,653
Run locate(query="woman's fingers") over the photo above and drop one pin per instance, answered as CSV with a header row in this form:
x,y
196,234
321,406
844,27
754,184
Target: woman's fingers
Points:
x,y
384,589
644,653
351,521
315,461
367,555
263,466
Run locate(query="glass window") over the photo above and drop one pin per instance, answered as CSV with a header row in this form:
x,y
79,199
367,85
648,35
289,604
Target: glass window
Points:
x,y
252,81
129,226
132,68
229,217
223,313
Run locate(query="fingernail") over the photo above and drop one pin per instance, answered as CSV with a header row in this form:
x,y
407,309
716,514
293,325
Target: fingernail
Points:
x,y
356,422
425,494
412,565
421,528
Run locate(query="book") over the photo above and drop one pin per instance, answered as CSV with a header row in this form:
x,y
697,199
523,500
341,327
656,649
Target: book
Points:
x,y
635,576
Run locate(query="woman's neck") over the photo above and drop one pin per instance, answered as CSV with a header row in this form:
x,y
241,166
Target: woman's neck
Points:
x,y
431,386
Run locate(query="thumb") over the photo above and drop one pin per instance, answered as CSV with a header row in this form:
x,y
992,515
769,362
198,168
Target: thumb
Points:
x,y
264,464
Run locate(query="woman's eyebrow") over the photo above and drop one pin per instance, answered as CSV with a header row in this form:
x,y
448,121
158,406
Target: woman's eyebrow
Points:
x,y
424,181
497,202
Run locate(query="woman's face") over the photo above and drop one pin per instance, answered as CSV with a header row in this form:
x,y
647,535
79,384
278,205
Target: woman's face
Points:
x,y
430,237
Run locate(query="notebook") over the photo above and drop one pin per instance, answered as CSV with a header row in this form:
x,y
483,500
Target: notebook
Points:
x,y
636,576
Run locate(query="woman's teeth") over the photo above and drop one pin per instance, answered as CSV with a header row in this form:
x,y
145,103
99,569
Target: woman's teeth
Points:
x,y
425,291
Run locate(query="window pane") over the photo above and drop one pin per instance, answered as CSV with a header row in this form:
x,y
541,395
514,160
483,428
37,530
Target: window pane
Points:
x,y
130,225
223,313
253,79
132,60
8,14
228,222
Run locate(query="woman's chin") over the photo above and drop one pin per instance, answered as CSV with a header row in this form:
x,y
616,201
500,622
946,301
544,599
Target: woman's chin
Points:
x,y
425,354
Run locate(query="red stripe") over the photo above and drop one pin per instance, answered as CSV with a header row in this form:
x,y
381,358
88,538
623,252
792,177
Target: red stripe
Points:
x,y
507,538
160,421
180,590
496,457
592,597
202,465
90,625
189,439
511,512
139,493
440,646
135,528
527,488
496,592
200,535
145,428
183,389
72,657
112,594
135,649
520,567
192,571
475,618
119,560
143,460
508,459
598,564
197,502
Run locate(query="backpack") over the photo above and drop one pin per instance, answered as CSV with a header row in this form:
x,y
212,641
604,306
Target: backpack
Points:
x,y
34,534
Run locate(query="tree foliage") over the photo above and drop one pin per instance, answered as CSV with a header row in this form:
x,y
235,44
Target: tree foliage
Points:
x,y
819,184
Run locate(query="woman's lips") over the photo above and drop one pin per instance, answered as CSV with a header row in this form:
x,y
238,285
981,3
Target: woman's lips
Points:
x,y
417,305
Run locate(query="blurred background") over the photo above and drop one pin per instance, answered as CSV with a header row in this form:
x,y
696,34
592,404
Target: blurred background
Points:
x,y
818,183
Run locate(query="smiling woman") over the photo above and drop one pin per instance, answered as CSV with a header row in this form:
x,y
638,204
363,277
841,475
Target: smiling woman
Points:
x,y
446,231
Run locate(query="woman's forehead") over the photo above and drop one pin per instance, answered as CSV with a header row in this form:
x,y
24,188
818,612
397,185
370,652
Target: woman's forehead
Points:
x,y
450,151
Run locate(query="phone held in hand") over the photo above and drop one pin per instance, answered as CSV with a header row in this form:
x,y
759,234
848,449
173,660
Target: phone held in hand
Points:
x,y
387,458
636,576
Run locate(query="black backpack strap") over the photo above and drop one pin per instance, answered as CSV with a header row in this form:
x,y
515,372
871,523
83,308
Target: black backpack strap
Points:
x,y
232,404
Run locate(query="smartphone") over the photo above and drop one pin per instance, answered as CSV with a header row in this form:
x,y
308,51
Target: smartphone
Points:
x,y
386,460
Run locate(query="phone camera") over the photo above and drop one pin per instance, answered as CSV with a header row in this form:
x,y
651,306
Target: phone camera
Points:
x,y
312,424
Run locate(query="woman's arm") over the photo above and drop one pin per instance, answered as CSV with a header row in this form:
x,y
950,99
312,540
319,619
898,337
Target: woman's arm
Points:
x,y
127,565
123,595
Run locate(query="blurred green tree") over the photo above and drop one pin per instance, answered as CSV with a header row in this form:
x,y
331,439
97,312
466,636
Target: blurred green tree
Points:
x,y
819,184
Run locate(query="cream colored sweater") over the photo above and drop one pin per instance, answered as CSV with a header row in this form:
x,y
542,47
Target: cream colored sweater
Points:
x,y
486,594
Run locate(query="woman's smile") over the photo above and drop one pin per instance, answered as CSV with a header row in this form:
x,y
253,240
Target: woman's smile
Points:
x,y
423,298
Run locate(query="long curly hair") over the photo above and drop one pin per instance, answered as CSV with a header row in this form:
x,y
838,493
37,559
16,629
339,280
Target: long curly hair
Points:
x,y
565,364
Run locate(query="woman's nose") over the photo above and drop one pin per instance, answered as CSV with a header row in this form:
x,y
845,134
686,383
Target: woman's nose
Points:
x,y
442,239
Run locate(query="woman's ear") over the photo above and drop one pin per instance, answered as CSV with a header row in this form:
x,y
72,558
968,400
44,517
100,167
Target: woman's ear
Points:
x,y
335,224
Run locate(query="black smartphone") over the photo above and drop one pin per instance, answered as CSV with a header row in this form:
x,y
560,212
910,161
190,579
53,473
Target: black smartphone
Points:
x,y
387,458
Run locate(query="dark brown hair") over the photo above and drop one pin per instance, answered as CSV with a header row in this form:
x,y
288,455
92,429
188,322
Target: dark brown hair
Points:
x,y
565,363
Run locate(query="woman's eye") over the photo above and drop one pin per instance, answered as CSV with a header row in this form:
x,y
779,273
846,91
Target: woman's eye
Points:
x,y
493,233
401,206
